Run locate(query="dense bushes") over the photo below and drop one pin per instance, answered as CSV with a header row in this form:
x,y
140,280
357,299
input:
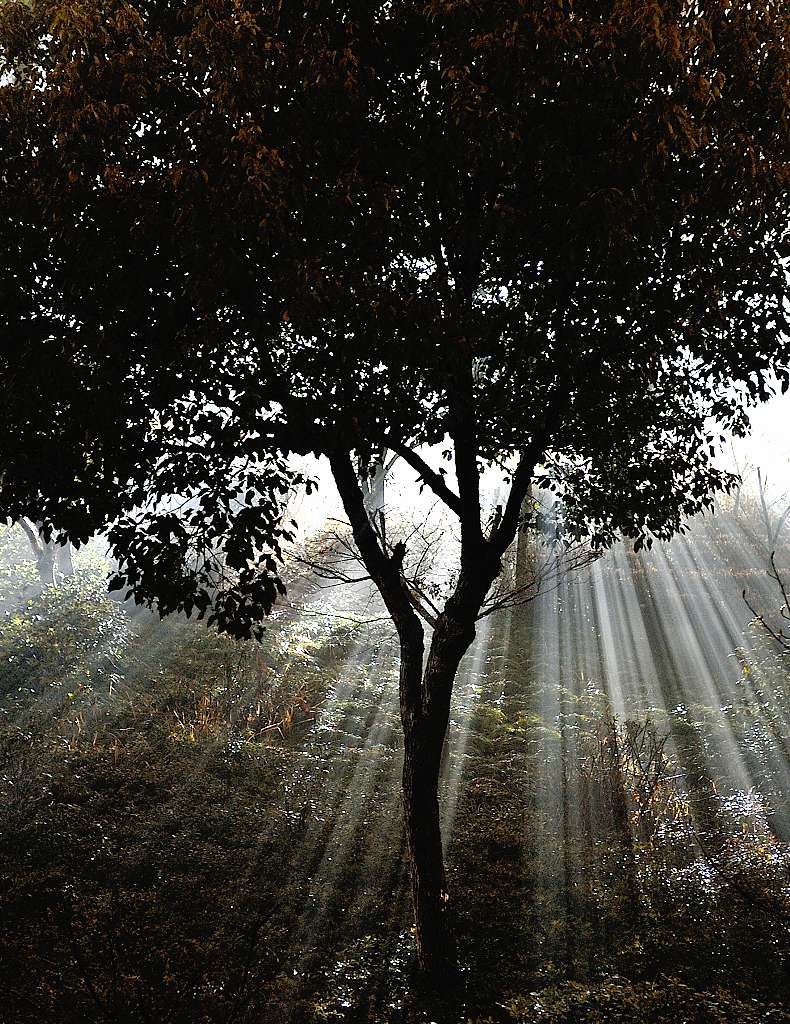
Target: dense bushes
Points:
x,y
618,1001
64,639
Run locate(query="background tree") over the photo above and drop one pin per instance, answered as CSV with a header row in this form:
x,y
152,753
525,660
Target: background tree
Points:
x,y
540,236
52,558
775,509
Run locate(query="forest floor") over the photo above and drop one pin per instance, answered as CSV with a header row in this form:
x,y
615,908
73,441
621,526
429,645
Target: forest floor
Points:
x,y
196,830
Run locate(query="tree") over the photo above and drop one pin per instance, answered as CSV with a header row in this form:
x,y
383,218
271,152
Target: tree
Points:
x,y
775,511
50,556
544,236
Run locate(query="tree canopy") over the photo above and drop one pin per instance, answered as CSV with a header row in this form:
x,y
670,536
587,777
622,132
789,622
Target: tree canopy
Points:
x,y
235,230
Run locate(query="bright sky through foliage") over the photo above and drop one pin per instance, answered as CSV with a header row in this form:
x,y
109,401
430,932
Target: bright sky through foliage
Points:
x,y
768,445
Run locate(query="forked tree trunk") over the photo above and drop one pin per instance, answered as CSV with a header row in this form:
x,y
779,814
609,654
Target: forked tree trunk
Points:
x,y
425,696
43,551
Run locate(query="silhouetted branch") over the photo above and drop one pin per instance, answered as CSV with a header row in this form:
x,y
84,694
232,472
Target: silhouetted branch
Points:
x,y
780,638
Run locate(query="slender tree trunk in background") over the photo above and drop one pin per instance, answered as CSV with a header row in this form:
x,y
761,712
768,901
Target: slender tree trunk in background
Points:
x,y
45,562
375,485
372,481
525,545
64,560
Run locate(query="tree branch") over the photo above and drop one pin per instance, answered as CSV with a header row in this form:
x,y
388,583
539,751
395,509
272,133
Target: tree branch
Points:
x,y
507,527
32,536
384,570
463,431
502,536
428,475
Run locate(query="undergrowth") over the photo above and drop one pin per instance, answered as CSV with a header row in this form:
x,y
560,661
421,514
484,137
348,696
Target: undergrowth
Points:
x,y
194,829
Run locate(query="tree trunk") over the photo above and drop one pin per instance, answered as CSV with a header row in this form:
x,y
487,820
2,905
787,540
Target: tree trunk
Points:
x,y
64,561
43,551
375,487
425,693
423,743
425,713
45,562
525,544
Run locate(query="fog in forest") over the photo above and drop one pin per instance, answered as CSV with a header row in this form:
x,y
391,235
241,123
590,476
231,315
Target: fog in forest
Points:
x,y
617,756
